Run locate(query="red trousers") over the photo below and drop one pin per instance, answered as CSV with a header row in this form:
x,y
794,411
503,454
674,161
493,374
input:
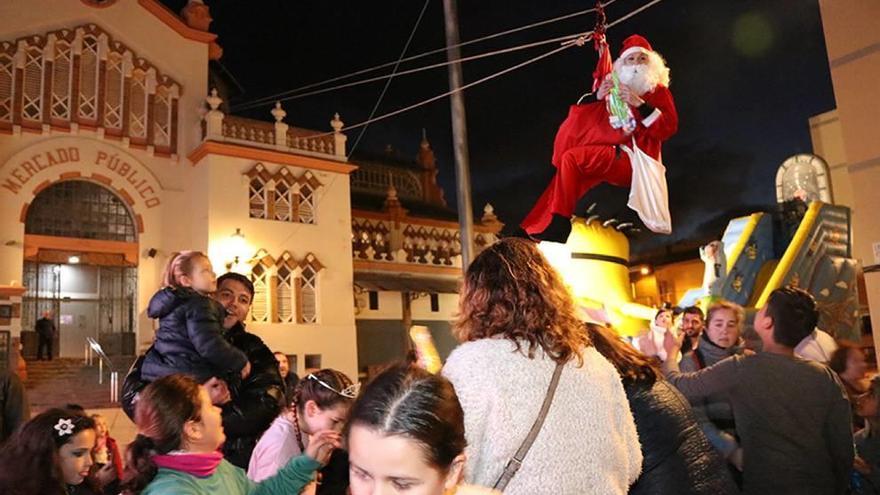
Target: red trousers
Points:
x,y
584,157
579,170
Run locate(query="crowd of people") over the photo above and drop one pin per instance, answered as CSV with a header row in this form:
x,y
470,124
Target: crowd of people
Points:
x,y
534,400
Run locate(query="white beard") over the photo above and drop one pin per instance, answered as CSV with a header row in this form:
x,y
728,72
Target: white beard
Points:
x,y
638,77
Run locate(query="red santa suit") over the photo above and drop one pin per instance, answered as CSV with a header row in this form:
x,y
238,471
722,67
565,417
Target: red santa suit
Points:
x,y
585,151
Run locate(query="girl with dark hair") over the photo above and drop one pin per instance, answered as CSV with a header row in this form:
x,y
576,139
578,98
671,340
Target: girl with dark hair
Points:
x,y
176,449
406,434
677,457
50,455
518,322
320,403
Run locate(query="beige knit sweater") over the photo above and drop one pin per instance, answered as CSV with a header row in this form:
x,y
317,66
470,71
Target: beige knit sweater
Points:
x,y
588,443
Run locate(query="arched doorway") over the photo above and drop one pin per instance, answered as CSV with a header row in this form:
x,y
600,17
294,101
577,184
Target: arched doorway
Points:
x,y
80,263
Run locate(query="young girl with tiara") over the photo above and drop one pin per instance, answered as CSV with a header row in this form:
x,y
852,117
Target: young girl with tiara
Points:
x,y
190,335
176,449
320,403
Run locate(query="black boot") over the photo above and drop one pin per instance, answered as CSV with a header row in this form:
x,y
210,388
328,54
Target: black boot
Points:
x,y
522,234
557,231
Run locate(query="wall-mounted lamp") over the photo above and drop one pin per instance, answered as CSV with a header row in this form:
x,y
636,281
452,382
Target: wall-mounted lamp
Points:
x,y
237,246
152,252
73,260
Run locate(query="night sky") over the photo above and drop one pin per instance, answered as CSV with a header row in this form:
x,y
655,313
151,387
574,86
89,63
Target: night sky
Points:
x,y
746,75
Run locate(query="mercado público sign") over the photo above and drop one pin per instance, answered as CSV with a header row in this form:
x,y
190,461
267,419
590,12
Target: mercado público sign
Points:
x,y
89,158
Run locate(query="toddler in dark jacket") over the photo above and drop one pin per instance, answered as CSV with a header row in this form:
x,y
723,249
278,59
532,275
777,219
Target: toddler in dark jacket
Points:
x,y
190,335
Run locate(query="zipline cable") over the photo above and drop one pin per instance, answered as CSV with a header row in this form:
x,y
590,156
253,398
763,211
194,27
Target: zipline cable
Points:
x,y
566,45
272,98
393,72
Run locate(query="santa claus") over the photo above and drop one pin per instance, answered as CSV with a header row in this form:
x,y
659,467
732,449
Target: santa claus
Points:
x,y
586,151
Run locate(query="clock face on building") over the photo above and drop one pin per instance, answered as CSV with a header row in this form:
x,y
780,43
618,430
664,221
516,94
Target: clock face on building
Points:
x,y
804,177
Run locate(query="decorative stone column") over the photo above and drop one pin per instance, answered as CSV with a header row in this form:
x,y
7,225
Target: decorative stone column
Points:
x,y
280,127
214,118
339,138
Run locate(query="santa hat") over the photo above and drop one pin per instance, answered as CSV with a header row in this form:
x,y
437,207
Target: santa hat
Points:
x,y
633,44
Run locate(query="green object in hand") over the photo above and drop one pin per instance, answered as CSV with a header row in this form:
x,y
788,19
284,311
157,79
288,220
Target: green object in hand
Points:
x,y
621,117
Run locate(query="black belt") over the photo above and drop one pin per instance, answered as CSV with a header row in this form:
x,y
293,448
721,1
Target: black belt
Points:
x,y
599,257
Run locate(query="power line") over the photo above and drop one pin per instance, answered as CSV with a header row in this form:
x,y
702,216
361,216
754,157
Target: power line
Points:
x,y
393,72
494,75
412,71
272,98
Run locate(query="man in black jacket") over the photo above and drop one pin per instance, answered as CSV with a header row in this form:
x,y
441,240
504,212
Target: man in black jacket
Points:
x,y
45,328
256,400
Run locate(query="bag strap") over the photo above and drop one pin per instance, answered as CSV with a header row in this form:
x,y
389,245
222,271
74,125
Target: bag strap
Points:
x,y
515,462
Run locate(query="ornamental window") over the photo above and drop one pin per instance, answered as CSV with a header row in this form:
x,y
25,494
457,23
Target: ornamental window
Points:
x,y
81,76
282,197
307,293
285,285
260,276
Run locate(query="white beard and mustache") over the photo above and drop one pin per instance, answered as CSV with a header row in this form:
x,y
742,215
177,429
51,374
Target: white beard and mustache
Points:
x,y
640,78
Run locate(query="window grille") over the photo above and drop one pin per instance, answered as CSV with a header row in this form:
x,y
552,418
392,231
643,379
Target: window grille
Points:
x,y
138,119
115,91
88,79
80,209
306,204
258,198
6,81
307,290
61,79
260,307
162,120
285,290
283,206
32,103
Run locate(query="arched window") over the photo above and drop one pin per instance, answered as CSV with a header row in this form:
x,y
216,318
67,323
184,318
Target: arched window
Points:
x,y
80,209
286,268
307,290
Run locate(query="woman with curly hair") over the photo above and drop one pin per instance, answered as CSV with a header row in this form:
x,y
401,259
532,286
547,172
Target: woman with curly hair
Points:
x,y
517,321
50,455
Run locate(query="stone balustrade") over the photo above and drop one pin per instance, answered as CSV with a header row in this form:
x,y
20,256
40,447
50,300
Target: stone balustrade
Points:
x,y
414,240
276,135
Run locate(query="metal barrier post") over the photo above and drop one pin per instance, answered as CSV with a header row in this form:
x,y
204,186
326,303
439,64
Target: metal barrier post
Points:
x,y
114,387
100,372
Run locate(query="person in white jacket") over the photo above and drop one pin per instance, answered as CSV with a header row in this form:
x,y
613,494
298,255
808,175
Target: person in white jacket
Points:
x,y
517,321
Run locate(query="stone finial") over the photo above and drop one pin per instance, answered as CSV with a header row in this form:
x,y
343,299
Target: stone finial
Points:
x,y
337,123
426,158
489,214
214,99
197,15
490,220
278,112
